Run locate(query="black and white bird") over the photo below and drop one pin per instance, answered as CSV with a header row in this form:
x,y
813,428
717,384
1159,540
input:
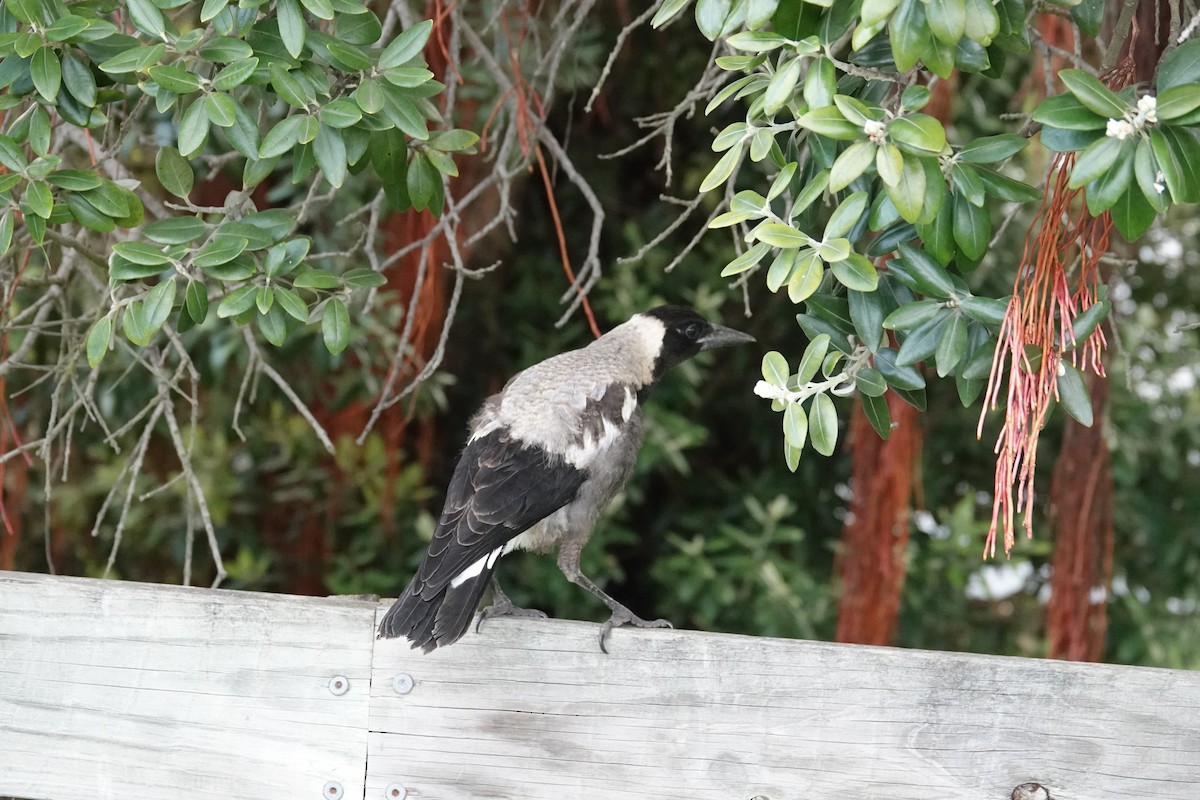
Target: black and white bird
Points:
x,y
545,456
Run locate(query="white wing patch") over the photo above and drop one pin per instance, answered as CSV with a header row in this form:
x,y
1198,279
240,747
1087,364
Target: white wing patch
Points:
x,y
630,404
474,570
582,455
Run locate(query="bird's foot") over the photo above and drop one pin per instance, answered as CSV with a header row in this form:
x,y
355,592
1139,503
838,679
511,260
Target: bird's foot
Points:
x,y
623,616
503,607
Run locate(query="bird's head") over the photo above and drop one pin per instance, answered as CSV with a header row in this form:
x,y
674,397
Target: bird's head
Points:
x,y
685,333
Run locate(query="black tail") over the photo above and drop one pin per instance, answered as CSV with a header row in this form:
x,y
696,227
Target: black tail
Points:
x,y
436,620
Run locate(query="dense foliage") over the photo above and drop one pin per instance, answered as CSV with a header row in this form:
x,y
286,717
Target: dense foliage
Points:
x,y
241,156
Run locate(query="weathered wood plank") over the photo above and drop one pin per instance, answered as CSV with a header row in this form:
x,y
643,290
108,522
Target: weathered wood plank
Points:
x,y
122,690
531,709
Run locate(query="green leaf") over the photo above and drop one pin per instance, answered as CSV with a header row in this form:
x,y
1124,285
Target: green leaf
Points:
x,y
1073,393
805,276
923,342
919,134
273,324
211,9
193,129
912,315
877,413
820,83
909,33
225,50
406,46
221,109
316,279
330,151
967,183
1180,66
782,87
335,326
294,91
1064,111
321,9
175,230
364,278
986,310
952,347
904,377
823,425
342,113
87,215
991,149
147,18
291,303
134,59
99,339
947,19
856,272
1094,161
853,162
174,172
38,199
79,80
237,301
46,72
195,300
972,228
234,74
220,250
815,326
870,382
1132,214
828,121
746,260
1006,188
1186,150
867,310
292,29
756,41
908,194
810,362
931,278
791,455
721,171
795,425
156,308
889,163
141,253
777,234
846,216
1177,101
667,11
775,369
1145,171
1103,192
1093,94
174,78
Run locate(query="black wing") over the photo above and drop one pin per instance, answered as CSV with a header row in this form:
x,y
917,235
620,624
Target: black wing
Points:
x,y
500,488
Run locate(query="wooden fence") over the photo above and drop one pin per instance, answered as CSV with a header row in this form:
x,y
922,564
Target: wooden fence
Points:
x,y
126,691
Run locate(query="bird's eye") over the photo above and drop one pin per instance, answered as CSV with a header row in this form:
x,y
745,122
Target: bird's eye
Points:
x,y
692,331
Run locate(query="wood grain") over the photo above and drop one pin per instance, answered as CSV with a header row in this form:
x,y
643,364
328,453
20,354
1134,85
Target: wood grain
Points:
x,y
133,692
531,709
127,691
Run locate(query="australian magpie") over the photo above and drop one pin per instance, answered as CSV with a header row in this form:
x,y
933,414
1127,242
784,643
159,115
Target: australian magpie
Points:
x,y
545,456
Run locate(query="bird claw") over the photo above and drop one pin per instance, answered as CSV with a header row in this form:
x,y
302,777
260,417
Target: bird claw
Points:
x,y
504,607
626,617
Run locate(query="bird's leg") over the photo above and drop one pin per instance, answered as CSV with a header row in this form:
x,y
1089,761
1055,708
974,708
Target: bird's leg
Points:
x,y
568,562
503,607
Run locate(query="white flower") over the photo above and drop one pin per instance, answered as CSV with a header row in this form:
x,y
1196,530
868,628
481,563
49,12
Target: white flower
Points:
x,y
875,130
1147,110
1120,128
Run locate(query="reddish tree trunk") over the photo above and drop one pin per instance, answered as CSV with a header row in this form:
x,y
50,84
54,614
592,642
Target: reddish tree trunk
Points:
x,y
871,564
1081,516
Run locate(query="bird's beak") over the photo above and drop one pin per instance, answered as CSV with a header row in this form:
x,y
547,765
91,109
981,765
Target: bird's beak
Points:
x,y
724,337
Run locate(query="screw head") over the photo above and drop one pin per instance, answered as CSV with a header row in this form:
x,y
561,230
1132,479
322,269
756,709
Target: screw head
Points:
x,y
339,685
395,791
332,790
402,683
